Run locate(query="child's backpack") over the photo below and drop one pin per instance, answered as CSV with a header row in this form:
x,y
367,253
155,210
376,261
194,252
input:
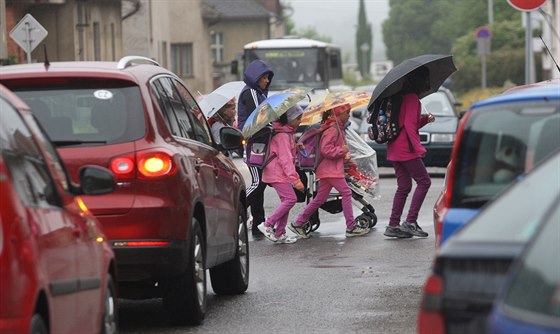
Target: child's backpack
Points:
x,y
384,120
308,158
257,148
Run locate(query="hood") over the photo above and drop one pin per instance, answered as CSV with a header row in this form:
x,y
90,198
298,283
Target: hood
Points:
x,y
255,70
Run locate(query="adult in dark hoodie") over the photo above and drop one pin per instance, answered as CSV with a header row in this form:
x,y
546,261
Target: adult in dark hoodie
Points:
x,y
257,78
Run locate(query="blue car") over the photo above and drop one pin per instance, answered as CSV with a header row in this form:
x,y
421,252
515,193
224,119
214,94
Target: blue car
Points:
x,y
498,139
529,302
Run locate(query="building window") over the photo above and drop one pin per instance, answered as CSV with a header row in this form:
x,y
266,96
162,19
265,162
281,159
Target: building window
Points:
x,y
181,59
217,47
96,41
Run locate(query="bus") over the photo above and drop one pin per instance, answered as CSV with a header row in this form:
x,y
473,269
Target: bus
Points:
x,y
299,62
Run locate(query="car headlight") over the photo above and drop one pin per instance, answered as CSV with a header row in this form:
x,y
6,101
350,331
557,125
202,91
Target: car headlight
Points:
x,y
443,137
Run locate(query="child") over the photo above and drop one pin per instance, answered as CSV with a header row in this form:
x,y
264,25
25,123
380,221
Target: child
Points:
x,y
222,118
281,174
330,173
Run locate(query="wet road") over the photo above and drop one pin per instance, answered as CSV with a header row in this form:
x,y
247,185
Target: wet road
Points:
x,y
326,284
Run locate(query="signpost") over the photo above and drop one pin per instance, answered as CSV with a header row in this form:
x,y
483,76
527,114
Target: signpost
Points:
x,y
28,33
483,38
527,6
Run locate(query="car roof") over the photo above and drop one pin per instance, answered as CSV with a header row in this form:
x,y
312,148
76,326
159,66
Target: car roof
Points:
x,y
126,68
543,90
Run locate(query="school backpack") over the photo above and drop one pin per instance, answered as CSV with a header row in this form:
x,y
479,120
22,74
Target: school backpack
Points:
x,y
308,158
384,120
257,148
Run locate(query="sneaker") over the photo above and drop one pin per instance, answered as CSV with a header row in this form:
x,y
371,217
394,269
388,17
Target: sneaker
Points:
x,y
285,239
356,231
414,229
267,231
397,232
250,221
298,230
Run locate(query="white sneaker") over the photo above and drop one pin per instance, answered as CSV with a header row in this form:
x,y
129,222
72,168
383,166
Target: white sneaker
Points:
x,y
268,232
285,239
250,221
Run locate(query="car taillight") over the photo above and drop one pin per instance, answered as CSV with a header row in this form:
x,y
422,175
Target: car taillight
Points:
x,y
123,167
154,164
143,164
439,227
430,319
451,168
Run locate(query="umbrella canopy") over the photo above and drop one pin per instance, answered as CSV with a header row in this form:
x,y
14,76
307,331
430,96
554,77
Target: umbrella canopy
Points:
x,y
272,108
314,112
440,67
212,102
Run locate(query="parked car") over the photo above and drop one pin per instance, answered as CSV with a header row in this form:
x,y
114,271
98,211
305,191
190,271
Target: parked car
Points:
x,y
529,301
470,267
179,207
498,139
436,137
57,271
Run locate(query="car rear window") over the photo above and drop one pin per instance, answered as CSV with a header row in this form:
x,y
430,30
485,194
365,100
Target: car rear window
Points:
x,y
87,113
499,143
517,213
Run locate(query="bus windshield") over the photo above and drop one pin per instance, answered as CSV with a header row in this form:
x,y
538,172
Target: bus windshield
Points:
x,y
293,67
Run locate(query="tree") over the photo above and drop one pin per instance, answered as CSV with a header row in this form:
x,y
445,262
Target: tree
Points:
x,y
363,42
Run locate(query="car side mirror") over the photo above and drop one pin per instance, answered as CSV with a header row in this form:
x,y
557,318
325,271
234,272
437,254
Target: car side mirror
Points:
x,y
231,138
95,180
462,113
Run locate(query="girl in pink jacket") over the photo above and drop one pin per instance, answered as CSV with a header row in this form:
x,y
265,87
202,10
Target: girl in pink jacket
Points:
x,y
406,152
333,154
281,174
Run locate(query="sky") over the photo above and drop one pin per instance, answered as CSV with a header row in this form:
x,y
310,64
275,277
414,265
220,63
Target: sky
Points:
x,y
338,19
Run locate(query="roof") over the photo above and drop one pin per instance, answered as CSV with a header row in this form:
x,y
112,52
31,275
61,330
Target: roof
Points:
x,y
279,43
237,9
542,90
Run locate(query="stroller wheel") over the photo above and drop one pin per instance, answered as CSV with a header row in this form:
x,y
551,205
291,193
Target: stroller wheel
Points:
x,y
373,219
363,221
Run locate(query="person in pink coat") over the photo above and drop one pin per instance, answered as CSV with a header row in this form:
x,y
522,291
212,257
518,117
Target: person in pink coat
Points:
x,y
333,154
406,152
280,173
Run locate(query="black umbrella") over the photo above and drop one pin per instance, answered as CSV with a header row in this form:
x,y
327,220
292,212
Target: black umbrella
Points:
x,y
440,67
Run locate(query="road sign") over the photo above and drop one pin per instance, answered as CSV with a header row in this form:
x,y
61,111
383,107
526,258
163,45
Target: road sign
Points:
x,y
526,5
482,32
28,33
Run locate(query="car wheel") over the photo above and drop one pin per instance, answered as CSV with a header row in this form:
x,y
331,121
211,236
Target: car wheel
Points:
x,y
109,320
232,277
38,325
184,296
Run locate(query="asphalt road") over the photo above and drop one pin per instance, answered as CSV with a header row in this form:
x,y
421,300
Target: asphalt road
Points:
x,y
325,284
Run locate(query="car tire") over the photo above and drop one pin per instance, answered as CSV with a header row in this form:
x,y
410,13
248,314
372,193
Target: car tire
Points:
x,y
38,325
184,296
109,321
232,277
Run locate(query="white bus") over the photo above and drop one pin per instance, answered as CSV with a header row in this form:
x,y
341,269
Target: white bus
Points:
x,y
299,62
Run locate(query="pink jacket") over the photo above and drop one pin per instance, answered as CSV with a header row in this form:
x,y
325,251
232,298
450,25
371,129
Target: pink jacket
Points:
x,y
331,164
407,145
281,169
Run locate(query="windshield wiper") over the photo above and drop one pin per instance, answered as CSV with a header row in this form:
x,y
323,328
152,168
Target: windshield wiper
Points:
x,y
77,142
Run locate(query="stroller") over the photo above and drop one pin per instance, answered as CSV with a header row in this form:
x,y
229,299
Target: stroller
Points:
x,y
362,176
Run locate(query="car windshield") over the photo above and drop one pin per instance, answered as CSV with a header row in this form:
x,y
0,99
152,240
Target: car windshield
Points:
x,y
438,104
97,114
515,215
499,143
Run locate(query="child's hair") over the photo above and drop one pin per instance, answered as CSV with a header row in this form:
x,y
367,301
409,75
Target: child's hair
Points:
x,y
283,119
326,115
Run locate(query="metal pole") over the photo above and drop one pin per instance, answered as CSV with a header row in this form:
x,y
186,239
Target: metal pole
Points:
x,y
28,42
490,12
528,48
483,67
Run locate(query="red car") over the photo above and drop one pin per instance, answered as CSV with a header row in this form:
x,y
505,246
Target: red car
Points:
x,y
179,207
57,270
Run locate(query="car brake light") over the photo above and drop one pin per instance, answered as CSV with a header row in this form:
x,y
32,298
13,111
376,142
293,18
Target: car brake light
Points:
x,y
450,175
140,243
430,319
123,167
154,164
439,227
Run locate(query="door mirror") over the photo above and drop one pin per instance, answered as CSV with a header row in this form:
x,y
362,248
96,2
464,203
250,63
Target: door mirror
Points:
x,y
95,180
